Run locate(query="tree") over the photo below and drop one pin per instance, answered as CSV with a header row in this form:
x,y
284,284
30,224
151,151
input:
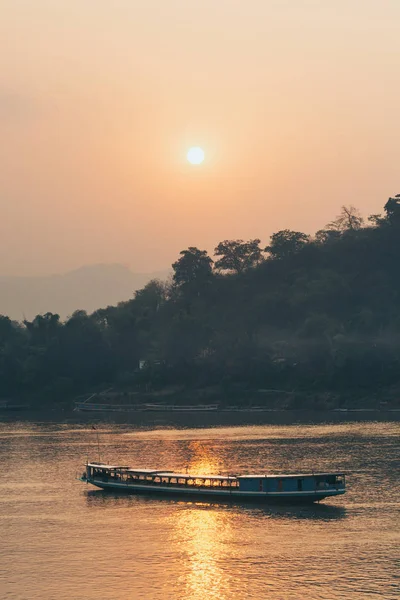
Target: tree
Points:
x,y
193,269
377,220
392,210
152,296
324,236
84,356
286,243
349,219
43,328
9,330
237,255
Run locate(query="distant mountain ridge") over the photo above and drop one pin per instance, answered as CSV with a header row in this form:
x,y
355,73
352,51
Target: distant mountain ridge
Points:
x,y
87,288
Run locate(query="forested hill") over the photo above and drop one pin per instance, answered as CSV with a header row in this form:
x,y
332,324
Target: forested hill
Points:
x,y
307,315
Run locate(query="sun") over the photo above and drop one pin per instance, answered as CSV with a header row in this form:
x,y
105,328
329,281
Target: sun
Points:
x,y
195,155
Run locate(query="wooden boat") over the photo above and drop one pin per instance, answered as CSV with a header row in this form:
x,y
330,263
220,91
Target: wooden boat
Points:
x,y
310,487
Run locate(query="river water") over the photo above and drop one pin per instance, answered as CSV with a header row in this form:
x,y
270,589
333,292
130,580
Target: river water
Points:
x,y
63,539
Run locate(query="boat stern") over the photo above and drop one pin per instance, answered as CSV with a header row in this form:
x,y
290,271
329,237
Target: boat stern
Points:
x,y
299,487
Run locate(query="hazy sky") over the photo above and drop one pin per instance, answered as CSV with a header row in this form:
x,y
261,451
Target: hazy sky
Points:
x,y
296,104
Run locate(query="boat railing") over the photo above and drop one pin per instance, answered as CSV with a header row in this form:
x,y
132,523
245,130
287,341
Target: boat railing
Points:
x,y
157,481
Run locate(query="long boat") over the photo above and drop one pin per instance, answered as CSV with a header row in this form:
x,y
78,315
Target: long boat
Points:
x,y
299,488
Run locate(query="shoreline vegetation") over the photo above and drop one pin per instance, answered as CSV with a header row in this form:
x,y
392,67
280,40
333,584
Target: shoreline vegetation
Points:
x,y
308,322
216,399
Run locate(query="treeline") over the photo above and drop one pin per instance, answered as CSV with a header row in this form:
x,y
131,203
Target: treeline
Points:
x,y
304,314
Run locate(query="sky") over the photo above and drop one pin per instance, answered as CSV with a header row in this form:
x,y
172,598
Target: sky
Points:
x,y
294,102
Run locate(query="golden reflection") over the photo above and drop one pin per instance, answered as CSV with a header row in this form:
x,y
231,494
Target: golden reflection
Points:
x,y
203,533
203,459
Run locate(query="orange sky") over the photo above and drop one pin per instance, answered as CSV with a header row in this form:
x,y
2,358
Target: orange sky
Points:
x,y
295,102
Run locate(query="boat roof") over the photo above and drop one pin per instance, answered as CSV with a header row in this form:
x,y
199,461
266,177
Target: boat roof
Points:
x,y
143,471
103,466
274,476
123,468
158,472
190,476
214,477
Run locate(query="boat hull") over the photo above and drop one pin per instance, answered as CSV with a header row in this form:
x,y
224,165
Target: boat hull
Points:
x,y
305,497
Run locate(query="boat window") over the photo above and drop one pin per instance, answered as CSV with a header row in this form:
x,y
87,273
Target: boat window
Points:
x,y
173,480
164,480
300,485
157,479
182,481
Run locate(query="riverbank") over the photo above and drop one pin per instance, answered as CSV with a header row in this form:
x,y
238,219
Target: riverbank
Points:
x,y
217,398
211,399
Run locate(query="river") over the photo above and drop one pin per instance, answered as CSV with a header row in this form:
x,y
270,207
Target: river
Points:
x,y
63,539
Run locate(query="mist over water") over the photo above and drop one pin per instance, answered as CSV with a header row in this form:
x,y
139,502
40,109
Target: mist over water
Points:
x,y
64,539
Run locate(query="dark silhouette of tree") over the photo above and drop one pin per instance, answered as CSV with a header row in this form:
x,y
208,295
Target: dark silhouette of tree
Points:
x,y
91,356
392,210
193,269
325,236
237,256
152,297
377,220
43,328
349,219
286,243
9,330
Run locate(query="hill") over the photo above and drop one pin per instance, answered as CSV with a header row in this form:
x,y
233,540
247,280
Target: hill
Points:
x,y
86,288
316,318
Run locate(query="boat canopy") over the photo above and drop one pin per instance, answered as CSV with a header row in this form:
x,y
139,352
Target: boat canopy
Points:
x,y
192,476
163,473
158,473
109,467
142,471
294,475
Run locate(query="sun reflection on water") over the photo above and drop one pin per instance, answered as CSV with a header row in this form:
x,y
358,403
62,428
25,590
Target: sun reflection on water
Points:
x,y
201,532
203,461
